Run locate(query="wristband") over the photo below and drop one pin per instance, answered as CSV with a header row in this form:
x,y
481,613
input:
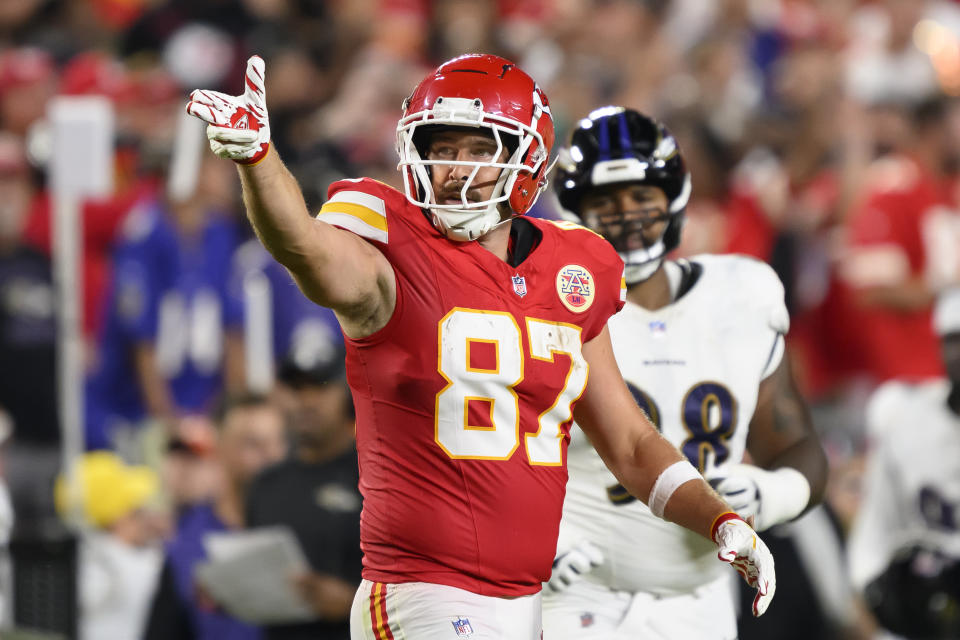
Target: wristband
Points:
x,y
669,481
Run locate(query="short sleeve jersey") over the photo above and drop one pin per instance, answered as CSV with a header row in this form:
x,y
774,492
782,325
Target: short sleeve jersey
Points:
x,y
464,399
695,367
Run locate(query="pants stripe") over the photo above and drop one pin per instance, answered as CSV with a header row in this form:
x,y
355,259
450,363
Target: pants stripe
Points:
x,y
378,612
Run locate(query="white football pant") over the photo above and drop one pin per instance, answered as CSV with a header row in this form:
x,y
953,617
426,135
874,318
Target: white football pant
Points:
x,y
588,611
424,611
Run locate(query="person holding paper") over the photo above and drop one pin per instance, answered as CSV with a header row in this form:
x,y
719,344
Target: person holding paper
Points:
x,y
314,492
251,436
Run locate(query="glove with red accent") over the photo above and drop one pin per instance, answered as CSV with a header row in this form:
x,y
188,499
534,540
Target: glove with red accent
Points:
x,y
237,126
742,547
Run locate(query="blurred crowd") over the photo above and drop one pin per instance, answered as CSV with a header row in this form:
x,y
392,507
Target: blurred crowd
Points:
x,y
823,137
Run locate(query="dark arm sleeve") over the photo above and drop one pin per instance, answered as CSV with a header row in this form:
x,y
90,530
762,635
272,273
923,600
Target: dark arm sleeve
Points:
x,y
168,615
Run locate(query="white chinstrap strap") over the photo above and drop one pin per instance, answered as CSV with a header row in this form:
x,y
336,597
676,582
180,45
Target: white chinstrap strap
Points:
x,y
667,482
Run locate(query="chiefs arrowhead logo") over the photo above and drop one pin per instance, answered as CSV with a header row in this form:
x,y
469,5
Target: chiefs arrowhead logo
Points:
x,y
242,122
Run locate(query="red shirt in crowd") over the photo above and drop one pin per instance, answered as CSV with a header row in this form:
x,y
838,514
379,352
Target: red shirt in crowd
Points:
x,y
892,238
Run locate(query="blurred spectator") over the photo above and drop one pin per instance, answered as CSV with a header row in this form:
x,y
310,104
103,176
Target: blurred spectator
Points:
x,y
250,437
167,331
315,493
201,43
189,469
885,65
120,556
905,544
144,108
903,242
27,346
280,323
28,79
785,198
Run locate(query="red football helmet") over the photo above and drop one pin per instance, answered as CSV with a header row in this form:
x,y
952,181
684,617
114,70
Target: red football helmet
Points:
x,y
487,91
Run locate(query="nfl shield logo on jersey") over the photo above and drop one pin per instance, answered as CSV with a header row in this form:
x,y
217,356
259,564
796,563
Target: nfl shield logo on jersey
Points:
x,y
462,627
586,619
658,328
519,285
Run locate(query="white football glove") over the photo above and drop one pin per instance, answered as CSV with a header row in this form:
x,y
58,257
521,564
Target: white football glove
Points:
x,y
571,566
768,497
237,126
741,546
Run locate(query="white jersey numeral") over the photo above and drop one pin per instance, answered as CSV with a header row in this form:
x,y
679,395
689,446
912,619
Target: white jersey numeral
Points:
x,y
466,384
486,388
546,340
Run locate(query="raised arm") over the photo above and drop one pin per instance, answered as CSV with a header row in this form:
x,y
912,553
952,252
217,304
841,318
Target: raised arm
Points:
x,y
655,472
334,268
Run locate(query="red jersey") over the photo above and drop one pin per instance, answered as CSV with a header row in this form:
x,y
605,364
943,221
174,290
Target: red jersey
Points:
x,y
464,399
893,236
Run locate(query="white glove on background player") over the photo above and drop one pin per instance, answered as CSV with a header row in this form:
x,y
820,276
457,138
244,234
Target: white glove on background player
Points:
x,y
741,546
237,126
571,566
769,497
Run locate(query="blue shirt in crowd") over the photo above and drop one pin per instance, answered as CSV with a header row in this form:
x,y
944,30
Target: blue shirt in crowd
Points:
x,y
184,552
300,329
171,291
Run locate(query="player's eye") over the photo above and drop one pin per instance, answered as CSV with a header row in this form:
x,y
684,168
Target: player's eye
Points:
x,y
484,151
443,152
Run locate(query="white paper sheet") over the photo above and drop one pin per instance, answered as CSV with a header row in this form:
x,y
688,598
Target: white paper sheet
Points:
x,y
250,574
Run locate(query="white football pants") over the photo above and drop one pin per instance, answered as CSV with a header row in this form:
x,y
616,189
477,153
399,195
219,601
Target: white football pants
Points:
x,y
424,611
588,611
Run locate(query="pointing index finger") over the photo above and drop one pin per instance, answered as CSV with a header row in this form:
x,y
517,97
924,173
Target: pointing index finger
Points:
x,y
254,87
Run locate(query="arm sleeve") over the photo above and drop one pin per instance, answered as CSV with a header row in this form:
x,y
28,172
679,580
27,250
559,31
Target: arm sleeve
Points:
x,y
168,616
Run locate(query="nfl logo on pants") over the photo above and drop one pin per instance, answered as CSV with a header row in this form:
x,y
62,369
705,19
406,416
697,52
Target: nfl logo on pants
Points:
x,y
462,627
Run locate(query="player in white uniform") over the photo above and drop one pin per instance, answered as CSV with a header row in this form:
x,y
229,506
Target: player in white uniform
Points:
x,y
700,344
905,542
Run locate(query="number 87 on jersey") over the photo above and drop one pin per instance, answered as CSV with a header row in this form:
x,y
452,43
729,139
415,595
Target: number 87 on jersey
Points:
x,y
483,358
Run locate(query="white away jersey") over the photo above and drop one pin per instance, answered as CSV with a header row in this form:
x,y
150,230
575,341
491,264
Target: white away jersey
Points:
x,y
912,484
695,366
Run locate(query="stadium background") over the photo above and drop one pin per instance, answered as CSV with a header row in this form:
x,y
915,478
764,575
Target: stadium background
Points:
x,y
810,126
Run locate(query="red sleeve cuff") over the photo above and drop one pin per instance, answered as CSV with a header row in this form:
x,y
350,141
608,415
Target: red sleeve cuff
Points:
x,y
719,520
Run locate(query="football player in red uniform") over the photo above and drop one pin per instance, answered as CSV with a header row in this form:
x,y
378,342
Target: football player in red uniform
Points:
x,y
469,330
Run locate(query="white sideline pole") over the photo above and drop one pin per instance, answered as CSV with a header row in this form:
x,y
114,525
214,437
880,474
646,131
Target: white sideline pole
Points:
x,y
81,166
189,144
258,332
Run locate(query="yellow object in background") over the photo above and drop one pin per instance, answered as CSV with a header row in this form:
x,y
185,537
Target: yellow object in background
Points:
x,y
111,489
